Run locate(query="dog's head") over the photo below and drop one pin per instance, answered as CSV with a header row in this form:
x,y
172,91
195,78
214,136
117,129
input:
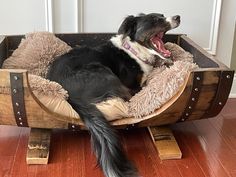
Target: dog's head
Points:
x,y
148,30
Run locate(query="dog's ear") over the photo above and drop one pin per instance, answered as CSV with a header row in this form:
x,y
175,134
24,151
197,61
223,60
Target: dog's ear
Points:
x,y
128,27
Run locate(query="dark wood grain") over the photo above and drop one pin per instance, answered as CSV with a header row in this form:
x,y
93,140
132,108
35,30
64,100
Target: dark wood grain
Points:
x,y
9,142
200,148
201,57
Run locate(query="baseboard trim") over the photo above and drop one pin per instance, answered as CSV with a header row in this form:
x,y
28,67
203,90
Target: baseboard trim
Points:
x,y
233,89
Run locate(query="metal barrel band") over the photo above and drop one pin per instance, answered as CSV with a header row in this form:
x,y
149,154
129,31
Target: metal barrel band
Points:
x,y
17,95
73,127
194,96
222,93
130,126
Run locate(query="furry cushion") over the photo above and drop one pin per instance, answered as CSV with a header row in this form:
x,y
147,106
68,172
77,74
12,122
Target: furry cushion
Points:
x,y
162,83
52,95
36,52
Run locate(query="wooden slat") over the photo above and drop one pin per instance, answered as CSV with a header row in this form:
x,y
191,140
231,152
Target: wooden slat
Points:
x,y
13,42
38,146
3,49
207,94
38,116
223,90
201,57
165,143
73,39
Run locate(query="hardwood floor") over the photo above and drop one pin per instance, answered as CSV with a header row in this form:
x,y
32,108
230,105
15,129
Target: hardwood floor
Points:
x,y
208,147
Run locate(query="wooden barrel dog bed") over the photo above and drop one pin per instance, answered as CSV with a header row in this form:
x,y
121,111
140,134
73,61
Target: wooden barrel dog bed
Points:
x,y
203,94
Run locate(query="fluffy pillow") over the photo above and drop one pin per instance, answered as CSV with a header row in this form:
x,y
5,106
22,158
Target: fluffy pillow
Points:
x,y
36,52
52,95
163,83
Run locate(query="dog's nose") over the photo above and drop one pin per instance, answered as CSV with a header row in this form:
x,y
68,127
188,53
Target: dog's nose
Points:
x,y
177,18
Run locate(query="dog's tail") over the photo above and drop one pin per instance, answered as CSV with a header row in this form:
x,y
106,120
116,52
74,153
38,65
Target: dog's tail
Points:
x,y
105,142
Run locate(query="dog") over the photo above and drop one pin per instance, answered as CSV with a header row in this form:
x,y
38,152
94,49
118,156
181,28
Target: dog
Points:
x,y
117,68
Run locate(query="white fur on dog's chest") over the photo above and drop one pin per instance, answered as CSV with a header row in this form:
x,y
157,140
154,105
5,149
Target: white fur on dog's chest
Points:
x,y
144,53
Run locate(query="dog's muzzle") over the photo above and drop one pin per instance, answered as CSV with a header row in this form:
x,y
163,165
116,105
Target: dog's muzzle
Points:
x,y
174,21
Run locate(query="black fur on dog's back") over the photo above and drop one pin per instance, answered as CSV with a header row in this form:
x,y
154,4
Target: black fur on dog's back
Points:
x,y
102,62
89,79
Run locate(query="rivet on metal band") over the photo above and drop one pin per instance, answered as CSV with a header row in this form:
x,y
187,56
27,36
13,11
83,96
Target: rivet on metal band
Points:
x,y
194,96
73,127
18,102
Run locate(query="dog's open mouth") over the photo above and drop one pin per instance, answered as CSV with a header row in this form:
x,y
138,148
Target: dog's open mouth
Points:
x,y
158,44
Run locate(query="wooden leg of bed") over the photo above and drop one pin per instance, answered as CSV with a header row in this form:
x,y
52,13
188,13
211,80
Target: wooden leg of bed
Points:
x,y
165,143
38,146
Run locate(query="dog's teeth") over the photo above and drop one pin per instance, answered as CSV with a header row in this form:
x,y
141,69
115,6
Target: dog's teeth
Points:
x,y
154,44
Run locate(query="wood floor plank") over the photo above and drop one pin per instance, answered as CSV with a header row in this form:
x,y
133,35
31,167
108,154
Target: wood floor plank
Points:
x,y
188,165
233,174
9,138
54,167
6,165
217,145
135,150
20,168
72,154
9,142
208,148
90,163
66,155
229,108
200,149
165,168
225,125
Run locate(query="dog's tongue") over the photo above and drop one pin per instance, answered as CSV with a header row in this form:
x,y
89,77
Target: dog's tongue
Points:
x,y
160,45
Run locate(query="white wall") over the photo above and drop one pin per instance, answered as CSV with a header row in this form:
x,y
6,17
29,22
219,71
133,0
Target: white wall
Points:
x,y
226,35
23,16
226,31
106,15
65,16
20,17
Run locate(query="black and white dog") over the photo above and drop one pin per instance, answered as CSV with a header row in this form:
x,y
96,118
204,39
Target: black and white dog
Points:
x,y
117,68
